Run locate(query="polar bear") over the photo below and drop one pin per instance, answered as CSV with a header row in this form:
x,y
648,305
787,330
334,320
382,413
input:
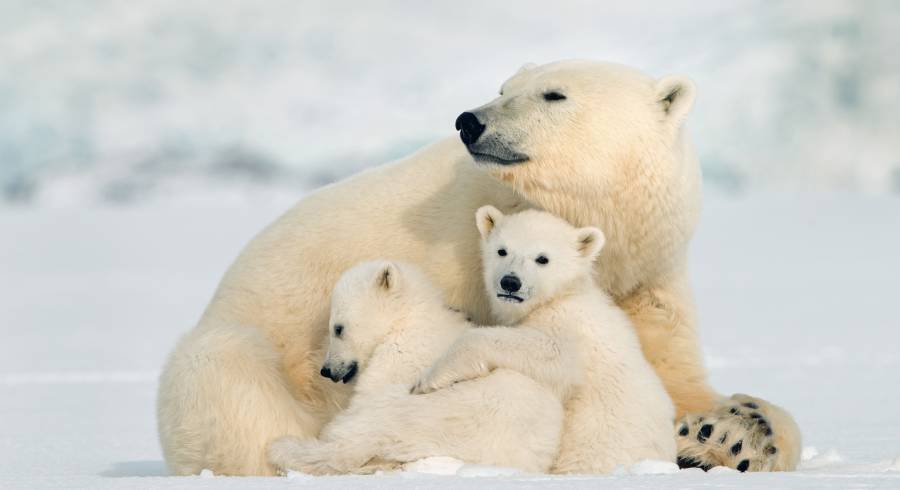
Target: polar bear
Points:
x,y
597,144
389,323
568,334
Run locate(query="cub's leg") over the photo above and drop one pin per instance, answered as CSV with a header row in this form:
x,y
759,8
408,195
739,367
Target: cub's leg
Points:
x,y
315,457
552,362
742,432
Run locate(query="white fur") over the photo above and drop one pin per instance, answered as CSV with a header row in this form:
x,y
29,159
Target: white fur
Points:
x,y
568,335
614,155
394,325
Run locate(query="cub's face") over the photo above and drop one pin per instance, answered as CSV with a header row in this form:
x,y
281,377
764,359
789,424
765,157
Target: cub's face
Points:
x,y
531,257
365,303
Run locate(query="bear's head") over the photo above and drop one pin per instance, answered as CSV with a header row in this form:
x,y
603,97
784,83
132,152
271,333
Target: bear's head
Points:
x,y
531,257
597,144
368,302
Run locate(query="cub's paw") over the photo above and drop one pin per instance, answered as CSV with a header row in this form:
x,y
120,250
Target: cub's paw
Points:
x,y
742,432
447,373
283,453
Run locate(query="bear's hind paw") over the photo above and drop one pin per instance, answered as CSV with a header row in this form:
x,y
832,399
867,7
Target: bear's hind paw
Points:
x,y
740,433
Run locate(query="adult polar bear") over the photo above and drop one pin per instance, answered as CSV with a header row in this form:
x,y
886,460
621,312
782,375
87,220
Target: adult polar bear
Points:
x,y
595,143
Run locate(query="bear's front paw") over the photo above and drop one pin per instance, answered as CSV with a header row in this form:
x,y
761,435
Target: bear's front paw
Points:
x,y
744,433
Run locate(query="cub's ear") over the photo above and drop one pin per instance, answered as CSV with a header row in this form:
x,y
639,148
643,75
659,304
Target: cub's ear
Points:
x,y
675,95
486,218
589,241
388,277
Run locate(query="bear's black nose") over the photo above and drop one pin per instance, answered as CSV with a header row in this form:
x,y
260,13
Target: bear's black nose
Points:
x,y
510,284
469,127
325,372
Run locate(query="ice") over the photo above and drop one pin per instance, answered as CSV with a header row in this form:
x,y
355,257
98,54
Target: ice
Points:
x,y
794,296
822,460
486,471
648,467
437,465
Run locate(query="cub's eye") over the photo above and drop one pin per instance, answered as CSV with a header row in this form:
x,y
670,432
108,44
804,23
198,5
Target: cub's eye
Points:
x,y
543,260
501,252
553,96
338,330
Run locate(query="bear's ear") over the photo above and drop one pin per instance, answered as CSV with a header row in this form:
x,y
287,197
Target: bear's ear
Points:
x,y
487,217
526,67
388,277
675,95
589,241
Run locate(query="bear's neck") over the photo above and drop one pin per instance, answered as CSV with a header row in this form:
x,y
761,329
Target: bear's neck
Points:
x,y
647,225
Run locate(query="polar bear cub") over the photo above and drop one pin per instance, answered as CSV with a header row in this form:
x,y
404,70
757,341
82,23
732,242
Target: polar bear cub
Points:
x,y
388,324
569,335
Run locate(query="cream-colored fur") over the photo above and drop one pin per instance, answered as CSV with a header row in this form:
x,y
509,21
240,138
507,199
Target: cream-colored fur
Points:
x,y
393,325
569,335
613,154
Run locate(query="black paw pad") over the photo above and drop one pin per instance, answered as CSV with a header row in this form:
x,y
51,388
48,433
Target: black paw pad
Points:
x,y
750,405
743,465
736,448
704,432
683,431
755,415
692,463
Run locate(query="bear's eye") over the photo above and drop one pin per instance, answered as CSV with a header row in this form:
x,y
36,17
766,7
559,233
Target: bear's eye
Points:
x,y
338,330
501,252
553,96
542,259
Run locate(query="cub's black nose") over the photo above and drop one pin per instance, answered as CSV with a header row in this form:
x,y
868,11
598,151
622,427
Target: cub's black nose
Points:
x,y
469,127
510,284
325,372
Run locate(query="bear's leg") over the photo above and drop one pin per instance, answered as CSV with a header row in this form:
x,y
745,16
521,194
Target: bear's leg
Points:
x,y
742,432
222,398
663,318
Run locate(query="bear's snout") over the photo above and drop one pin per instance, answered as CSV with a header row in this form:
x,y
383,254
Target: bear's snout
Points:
x,y
344,372
510,283
469,127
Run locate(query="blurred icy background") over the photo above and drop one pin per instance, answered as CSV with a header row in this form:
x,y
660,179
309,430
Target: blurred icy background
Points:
x,y
116,101
143,143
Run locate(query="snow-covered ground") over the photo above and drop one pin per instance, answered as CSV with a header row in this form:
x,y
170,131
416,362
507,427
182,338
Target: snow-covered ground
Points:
x,y
797,297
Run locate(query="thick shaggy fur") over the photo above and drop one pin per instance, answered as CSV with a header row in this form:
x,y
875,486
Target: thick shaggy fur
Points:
x,y
394,325
568,334
613,154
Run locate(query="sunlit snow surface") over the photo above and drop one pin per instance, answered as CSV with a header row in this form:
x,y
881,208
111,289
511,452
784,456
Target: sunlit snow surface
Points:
x,y
797,299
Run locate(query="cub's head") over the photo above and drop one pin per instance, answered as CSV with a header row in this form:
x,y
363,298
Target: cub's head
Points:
x,y
368,302
532,257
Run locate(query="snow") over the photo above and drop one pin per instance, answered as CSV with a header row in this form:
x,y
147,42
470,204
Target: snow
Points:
x,y
119,101
796,296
